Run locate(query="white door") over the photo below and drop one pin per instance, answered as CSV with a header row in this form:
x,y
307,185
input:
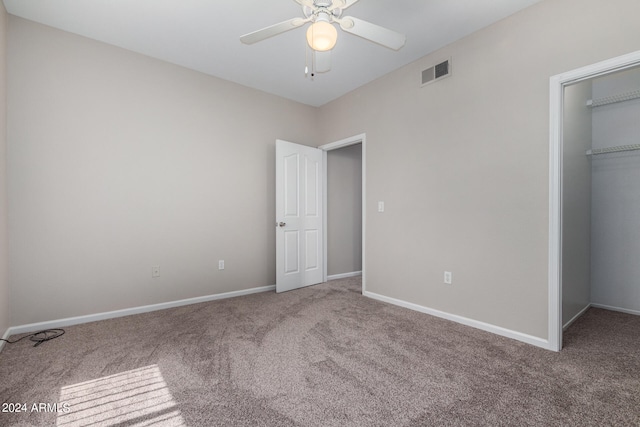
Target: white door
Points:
x,y
299,252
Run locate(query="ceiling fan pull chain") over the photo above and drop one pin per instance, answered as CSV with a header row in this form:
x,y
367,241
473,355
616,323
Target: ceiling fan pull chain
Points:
x,y
306,60
313,64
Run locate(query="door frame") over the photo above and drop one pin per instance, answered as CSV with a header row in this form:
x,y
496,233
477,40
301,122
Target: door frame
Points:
x,y
556,108
352,140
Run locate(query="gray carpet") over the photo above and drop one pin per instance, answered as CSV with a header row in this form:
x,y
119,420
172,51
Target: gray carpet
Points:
x,y
321,356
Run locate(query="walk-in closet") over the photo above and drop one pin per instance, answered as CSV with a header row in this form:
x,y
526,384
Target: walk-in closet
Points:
x,y
601,195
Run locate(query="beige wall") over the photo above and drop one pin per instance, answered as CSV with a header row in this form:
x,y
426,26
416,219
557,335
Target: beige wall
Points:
x,y
119,162
4,279
576,201
344,210
462,164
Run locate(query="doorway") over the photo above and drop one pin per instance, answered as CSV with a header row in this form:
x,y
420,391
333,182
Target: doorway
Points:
x,y
571,205
344,216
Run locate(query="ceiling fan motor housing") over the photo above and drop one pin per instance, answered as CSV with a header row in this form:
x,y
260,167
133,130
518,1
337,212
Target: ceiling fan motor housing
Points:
x,y
326,9
323,3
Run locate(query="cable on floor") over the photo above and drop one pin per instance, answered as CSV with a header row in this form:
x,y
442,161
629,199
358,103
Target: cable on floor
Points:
x,y
39,337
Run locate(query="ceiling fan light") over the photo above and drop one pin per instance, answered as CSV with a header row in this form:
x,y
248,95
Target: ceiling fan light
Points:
x,y
322,36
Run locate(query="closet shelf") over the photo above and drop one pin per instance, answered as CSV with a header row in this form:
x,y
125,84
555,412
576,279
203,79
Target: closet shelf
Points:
x,y
621,97
617,149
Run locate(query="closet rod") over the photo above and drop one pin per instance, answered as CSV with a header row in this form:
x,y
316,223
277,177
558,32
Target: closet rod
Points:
x,y
617,149
627,96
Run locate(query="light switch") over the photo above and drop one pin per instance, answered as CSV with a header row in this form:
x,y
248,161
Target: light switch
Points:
x,y
380,206
448,277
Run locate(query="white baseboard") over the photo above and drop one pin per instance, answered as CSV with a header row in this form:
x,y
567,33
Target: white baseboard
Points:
x,y
576,317
344,275
32,327
6,336
621,310
498,330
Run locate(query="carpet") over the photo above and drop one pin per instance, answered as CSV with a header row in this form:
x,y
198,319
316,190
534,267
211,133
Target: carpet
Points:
x,y
319,356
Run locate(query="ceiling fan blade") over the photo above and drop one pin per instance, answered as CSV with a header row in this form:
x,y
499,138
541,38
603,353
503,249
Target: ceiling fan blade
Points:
x,y
273,30
341,4
322,61
373,32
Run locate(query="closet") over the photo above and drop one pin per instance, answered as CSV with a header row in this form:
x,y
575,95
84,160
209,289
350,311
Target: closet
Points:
x,y
601,195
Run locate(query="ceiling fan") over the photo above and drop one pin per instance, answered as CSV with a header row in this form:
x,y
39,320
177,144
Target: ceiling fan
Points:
x,y
321,34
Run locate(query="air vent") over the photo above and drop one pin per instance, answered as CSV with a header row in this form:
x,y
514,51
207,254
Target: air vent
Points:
x,y
437,72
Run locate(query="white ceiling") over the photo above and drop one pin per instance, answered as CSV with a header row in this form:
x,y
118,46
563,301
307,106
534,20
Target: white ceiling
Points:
x,y
204,35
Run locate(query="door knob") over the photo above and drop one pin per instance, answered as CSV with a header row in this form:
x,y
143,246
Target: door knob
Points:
x,y
282,224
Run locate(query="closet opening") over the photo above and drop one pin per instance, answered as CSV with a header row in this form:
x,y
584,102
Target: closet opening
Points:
x,y
598,194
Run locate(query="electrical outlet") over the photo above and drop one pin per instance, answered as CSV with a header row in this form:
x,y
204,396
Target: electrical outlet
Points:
x,y
221,264
448,277
155,271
